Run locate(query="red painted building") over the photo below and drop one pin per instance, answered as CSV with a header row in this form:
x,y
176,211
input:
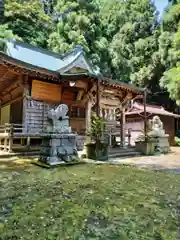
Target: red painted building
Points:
x,y
135,120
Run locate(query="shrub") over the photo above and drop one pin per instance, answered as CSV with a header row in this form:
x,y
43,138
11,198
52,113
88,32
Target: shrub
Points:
x,y
177,140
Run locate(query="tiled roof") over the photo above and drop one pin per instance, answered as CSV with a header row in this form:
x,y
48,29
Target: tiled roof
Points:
x,y
20,66
138,108
46,59
37,60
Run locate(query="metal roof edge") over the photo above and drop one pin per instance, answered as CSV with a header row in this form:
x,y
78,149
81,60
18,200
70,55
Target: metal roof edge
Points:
x,y
22,64
36,48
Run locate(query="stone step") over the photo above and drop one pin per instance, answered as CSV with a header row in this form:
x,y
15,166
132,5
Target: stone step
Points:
x,y
121,150
123,154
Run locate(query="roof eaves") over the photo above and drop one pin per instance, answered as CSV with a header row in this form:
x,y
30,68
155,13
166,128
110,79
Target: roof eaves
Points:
x,y
69,65
7,60
165,113
32,47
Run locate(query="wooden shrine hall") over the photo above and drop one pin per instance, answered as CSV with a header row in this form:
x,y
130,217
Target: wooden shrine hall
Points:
x,y
32,80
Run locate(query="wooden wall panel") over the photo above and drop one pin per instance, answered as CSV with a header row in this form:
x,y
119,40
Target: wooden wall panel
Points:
x,y
5,115
78,125
169,127
68,95
81,84
36,117
44,91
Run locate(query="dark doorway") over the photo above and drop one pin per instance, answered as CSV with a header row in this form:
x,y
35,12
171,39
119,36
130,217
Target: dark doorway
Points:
x,y
16,112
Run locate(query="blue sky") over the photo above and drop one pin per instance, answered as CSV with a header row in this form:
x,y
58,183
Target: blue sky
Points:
x,y
161,4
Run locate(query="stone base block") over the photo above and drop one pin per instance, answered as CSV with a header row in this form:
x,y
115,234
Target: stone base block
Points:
x,y
59,149
163,144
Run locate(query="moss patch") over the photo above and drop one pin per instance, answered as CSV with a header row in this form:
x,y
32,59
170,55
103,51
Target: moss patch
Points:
x,y
89,202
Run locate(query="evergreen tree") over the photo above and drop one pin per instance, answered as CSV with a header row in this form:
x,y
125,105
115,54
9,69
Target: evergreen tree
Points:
x,y
27,20
1,11
79,24
169,49
134,45
5,33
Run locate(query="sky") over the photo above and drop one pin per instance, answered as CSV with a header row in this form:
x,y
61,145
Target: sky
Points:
x,y
161,4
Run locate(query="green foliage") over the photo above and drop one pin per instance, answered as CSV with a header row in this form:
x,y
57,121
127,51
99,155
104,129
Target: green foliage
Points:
x,y
89,202
171,81
169,49
97,127
79,24
134,42
124,38
27,20
5,33
177,140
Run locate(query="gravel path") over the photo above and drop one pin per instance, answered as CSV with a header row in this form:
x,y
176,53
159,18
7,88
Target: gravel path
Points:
x,y
169,161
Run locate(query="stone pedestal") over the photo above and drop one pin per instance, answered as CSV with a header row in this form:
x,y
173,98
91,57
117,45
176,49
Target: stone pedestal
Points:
x,y
146,147
58,143
162,144
59,149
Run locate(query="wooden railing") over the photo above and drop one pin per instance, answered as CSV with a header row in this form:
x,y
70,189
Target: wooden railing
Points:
x,y
116,133
9,128
10,132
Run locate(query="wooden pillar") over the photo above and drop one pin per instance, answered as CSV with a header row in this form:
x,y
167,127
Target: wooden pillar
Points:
x,y
101,112
98,97
88,115
105,113
145,113
6,138
111,114
28,143
5,144
123,123
10,137
0,111
26,94
114,114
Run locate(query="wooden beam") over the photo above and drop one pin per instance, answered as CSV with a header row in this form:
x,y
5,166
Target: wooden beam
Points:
x,y
80,94
4,76
24,79
11,101
127,97
110,102
88,95
8,88
81,84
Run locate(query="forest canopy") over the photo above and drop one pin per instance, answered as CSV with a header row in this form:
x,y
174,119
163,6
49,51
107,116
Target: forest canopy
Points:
x,y
128,40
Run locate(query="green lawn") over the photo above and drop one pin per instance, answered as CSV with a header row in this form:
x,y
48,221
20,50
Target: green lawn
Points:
x,y
89,202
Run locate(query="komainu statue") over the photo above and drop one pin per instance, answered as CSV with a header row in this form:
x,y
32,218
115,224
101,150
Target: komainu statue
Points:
x,y
155,127
59,120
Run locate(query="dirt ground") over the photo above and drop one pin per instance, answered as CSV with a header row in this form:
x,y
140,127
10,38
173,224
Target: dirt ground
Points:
x,y
169,161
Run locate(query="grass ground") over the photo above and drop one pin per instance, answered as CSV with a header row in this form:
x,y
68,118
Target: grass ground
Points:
x,y
87,202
